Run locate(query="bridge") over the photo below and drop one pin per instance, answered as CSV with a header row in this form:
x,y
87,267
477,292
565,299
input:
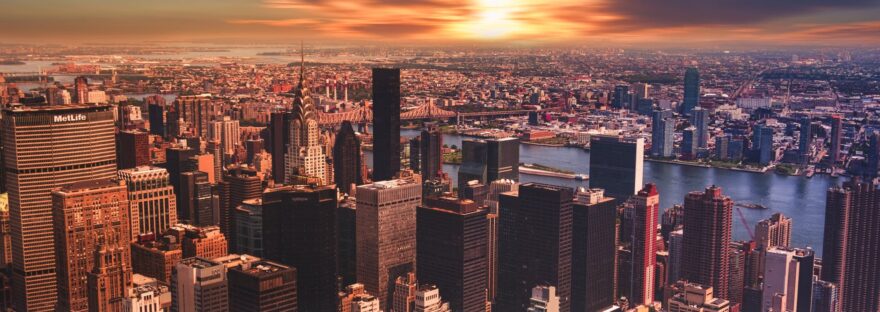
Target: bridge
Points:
x,y
426,111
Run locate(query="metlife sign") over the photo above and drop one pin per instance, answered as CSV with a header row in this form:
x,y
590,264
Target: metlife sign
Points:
x,y
69,118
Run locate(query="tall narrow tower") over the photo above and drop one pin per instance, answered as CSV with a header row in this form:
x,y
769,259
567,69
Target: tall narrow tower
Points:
x,y
306,161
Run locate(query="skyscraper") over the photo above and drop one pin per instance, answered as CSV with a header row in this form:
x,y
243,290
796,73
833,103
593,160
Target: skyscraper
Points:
x,y
474,162
446,229
616,165
299,230
689,143
805,140
46,147
773,232
489,160
405,288
261,285
132,149
805,259
852,244
279,125
762,144
431,154
347,159
91,225
157,118
197,111
249,227
197,200
199,285
386,125
621,97
706,240
646,204
781,272
826,297
244,184
306,159
534,244
228,132
693,297
662,128
676,248
700,120
834,148
81,89
691,93
593,250
386,234
153,202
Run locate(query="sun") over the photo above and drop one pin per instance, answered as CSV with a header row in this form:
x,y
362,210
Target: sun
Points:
x,y
493,19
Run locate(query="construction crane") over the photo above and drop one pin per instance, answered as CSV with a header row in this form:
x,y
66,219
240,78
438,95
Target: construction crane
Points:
x,y
742,218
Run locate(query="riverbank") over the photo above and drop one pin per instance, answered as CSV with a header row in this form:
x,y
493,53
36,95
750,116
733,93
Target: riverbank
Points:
x,y
704,165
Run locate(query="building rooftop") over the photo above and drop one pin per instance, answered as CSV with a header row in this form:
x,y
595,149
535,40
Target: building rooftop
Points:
x,y
90,185
199,263
51,108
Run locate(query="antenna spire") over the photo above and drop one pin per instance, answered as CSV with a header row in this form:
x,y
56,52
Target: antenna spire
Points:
x,y
302,61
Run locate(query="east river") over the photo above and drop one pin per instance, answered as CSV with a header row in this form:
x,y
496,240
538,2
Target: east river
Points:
x,y
800,198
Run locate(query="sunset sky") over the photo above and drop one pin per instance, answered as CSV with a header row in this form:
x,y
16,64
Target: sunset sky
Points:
x,y
826,22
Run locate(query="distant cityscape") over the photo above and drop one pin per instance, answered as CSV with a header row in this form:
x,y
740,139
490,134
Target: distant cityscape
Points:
x,y
308,178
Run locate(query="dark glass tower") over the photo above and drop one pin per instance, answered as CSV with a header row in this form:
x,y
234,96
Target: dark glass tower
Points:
x,y
691,93
347,159
473,162
594,251
834,149
132,149
706,241
279,125
448,232
386,123
488,160
299,230
616,165
534,244
431,154
157,119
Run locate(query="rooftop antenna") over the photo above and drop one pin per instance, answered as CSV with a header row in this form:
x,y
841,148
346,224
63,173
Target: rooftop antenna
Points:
x,y
302,61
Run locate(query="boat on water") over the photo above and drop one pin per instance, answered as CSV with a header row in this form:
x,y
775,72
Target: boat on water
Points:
x,y
751,205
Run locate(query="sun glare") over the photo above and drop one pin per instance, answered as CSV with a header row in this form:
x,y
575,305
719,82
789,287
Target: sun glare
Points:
x,y
493,19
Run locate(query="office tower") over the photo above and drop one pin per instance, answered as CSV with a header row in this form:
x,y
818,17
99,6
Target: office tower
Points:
x,y
736,273
172,124
621,97
706,239
762,145
534,244
544,299
249,227
722,147
386,125
781,272
616,165
157,119
447,228
386,234
834,148
474,162
405,288
355,299
872,154
46,147
850,249
146,294
428,300
262,285
197,203
81,89
299,230
244,184
91,225
697,298
474,191
197,111
773,232
671,220
496,188
700,120
306,162
689,144
252,147
805,140
228,132
152,199
593,250
279,125
347,159
431,153
199,285
805,259
691,91
156,257
489,160
132,149
347,241
662,130
646,205
676,248
825,297
415,153
175,161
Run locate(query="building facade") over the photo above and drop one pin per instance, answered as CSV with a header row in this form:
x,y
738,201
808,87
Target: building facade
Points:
x,y
706,241
152,198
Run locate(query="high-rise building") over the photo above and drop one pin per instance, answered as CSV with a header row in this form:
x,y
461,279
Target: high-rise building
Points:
x,y
700,120
199,285
153,203
386,125
279,125
175,162
762,145
197,111
46,147
405,288
474,162
781,272
691,91
347,159
386,234
872,154
706,241
299,230
228,132
253,147
428,300
198,205
81,89
689,145
676,247
261,285
593,250
621,97
431,154
92,238
825,297
346,224
146,294
852,244
736,273
646,205
806,261
447,228
132,149
773,232
172,124
805,142
722,147
489,160
834,148
249,227
662,130
534,244
616,165
356,299
244,184
5,237
696,298
496,188
544,299
156,257
306,160
205,242
157,118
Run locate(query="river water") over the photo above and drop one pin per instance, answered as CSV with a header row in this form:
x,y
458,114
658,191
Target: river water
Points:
x,y
800,198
